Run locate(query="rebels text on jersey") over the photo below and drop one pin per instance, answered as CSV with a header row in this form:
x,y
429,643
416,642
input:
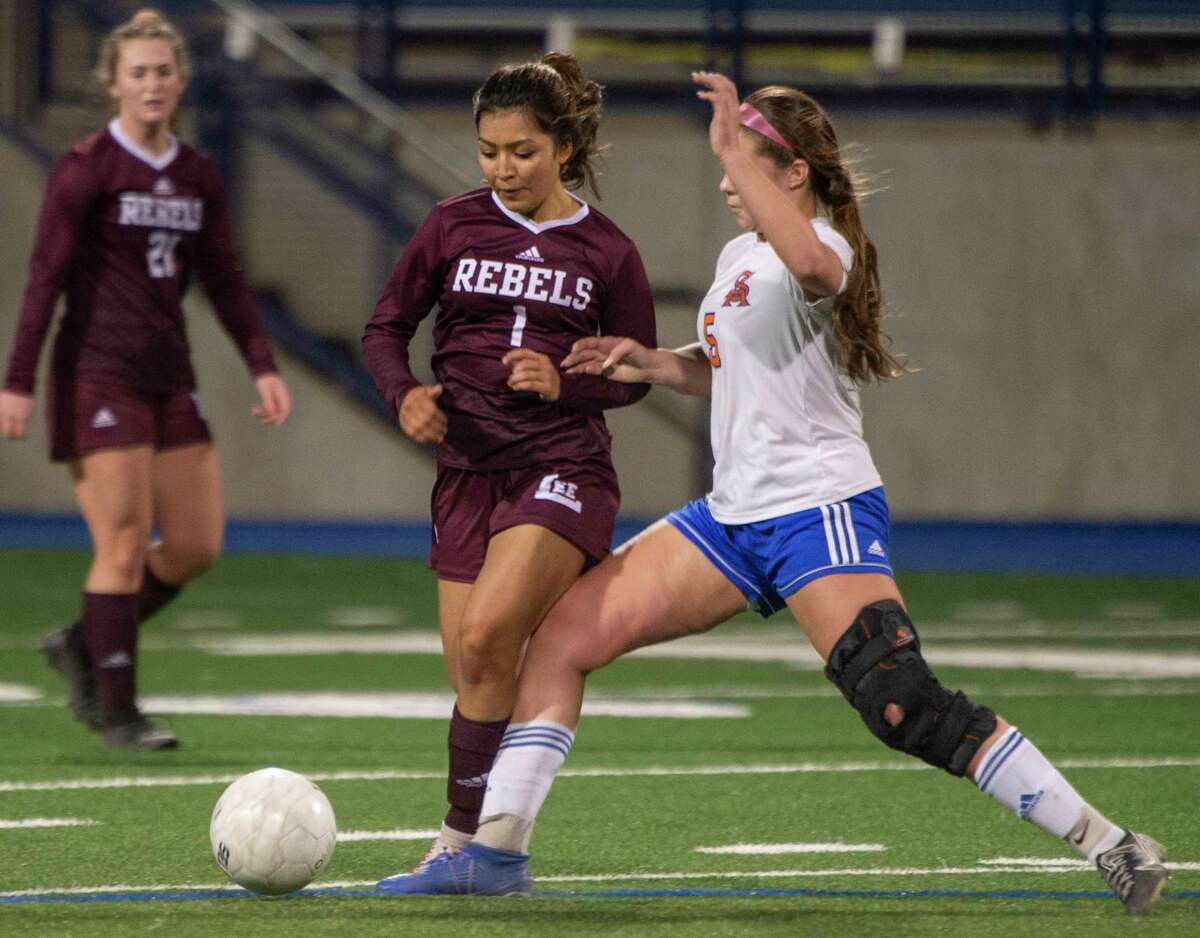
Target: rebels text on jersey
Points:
x,y
499,282
121,231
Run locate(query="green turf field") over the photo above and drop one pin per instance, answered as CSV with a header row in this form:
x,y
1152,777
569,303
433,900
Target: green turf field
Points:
x,y
1103,674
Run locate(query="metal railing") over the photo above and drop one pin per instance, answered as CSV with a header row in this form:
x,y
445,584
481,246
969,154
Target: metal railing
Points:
x,y
248,21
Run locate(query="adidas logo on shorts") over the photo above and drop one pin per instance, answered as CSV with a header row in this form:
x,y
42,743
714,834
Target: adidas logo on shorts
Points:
x,y
876,548
104,418
531,254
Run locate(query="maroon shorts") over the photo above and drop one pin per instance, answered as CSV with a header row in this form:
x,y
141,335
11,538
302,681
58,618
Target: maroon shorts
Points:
x,y
576,499
85,415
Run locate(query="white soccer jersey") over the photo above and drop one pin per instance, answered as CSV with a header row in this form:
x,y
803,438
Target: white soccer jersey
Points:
x,y
786,421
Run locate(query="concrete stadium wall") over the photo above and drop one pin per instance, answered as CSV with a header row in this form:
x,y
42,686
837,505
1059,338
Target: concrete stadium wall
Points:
x,y
1043,283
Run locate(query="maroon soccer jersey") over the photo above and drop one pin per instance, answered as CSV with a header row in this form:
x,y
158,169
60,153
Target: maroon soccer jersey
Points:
x,y
121,231
501,281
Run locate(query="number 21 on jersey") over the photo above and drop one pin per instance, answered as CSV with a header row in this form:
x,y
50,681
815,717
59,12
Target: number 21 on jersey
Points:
x,y
714,352
160,257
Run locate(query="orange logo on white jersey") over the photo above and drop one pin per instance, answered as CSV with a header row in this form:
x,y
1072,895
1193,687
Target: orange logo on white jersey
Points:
x,y
740,294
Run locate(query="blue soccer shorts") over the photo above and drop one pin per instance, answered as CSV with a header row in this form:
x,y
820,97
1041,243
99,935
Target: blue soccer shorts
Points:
x,y
769,560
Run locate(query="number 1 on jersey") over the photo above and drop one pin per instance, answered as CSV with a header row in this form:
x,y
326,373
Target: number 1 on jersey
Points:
x,y
518,330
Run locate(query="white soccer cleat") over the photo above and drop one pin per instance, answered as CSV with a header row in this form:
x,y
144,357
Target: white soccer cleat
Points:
x,y
1134,869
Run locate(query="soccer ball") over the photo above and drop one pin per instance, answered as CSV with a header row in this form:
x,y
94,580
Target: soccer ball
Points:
x,y
273,831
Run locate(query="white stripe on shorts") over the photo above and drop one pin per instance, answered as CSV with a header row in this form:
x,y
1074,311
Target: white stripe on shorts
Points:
x,y
854,555
841,533
833,557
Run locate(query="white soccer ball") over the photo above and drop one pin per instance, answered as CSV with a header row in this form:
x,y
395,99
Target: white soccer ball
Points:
x,y
273,831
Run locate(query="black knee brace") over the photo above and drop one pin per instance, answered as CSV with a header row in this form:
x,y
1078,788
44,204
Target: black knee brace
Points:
x,y
878,661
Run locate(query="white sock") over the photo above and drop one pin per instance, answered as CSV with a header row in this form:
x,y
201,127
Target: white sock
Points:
x,y
530,756
453,839
1017,775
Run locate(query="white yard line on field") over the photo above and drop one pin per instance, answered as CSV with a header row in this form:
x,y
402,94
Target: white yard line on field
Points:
x,y
41,822
1069,864
769,645
397,834
416,706
388,775
755,850
18,693
355,617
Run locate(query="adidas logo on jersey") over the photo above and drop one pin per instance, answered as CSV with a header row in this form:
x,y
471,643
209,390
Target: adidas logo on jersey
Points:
x,y
876,548
118,659
164,187
531,254
104,418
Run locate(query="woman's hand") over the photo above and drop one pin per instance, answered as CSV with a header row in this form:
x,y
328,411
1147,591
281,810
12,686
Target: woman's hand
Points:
x,y
533,371
614,357
722,94
420,417
15,411
275,400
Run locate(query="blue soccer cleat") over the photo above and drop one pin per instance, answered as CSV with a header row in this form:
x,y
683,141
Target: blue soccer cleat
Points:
x,y
475,871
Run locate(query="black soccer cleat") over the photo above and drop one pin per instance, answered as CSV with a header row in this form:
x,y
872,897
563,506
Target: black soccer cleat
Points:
x,y
1135,871
133,731
67,654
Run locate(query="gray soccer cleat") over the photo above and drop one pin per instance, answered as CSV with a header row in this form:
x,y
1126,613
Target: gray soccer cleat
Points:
x,y
67,654
1134,869
133,731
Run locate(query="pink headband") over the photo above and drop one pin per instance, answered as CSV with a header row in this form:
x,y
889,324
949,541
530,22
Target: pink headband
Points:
x,y
752,119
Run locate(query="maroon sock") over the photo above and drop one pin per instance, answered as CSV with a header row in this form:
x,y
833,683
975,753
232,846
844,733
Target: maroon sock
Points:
x,y
473,749
154,595
110,632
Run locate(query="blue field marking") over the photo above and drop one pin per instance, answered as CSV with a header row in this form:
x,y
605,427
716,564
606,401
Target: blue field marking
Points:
x,y
1149,548
344,893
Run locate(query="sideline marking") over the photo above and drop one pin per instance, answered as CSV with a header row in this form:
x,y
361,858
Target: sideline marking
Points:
x,y
391,775
34,822
772,849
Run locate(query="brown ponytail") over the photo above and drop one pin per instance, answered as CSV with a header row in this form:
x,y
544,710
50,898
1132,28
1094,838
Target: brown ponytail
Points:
x,y
857,310
560,99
